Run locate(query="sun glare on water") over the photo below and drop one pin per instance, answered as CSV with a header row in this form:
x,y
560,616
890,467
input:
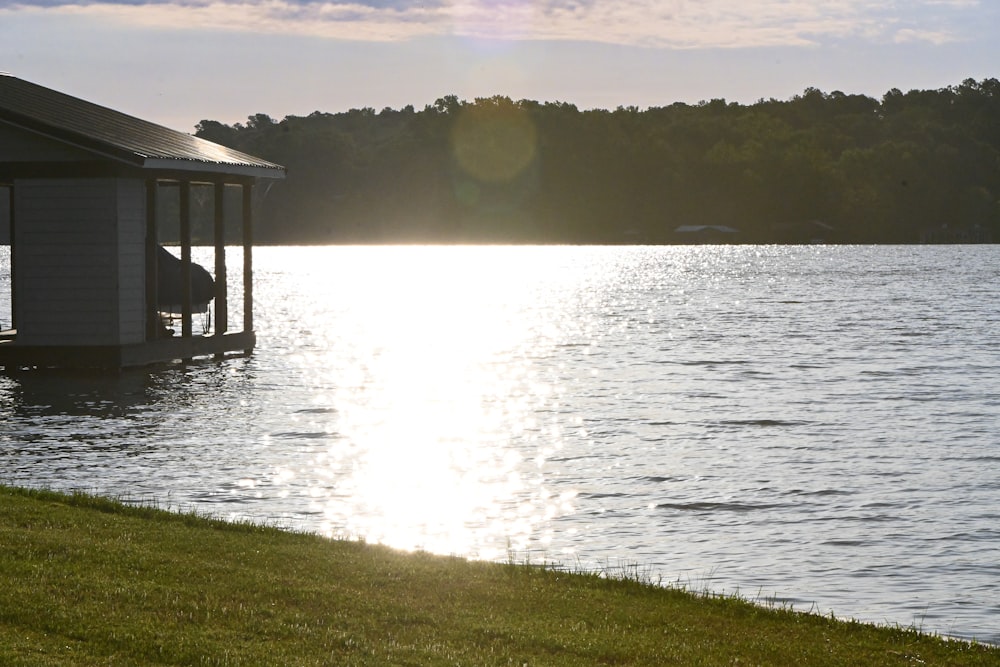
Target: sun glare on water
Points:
x,y
437,443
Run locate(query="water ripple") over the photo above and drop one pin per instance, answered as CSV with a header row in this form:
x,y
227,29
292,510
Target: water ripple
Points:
x,y
710,507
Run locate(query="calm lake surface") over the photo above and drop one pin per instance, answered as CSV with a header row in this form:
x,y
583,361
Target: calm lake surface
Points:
x,y
817,425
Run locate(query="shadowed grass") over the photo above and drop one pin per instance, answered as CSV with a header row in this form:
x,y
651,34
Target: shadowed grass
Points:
x,y
89,581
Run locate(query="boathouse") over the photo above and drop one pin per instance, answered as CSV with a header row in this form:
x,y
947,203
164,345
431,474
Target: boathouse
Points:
x,y
86,285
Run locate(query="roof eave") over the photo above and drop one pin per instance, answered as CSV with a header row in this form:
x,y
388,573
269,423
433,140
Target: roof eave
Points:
x,y
216,168
132,159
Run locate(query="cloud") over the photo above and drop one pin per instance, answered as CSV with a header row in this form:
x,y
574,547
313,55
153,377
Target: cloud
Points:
x,y
655,23
909,35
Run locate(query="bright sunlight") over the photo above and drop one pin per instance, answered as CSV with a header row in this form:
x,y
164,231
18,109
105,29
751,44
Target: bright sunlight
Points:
x,y
437,443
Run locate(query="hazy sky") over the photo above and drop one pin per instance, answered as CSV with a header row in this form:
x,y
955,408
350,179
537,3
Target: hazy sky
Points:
x,y
180,61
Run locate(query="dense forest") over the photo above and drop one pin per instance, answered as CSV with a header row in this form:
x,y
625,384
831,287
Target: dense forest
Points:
x,y
917,166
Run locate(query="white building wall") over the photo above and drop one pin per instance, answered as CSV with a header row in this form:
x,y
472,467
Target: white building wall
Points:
x,y
77,271
131,261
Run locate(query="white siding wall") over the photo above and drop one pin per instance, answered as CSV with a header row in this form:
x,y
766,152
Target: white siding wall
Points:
x,y
79,278
131,260
4,215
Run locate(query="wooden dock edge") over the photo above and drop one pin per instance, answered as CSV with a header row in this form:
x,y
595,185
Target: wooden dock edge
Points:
x,y
164,350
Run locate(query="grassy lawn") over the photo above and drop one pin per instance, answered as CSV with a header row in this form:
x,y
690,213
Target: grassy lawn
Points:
x,y
88,581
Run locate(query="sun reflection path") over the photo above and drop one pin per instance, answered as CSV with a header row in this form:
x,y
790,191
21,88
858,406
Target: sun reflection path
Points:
x,y
439,445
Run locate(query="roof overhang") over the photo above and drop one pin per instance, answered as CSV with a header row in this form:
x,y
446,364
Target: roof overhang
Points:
x,y
122,142
211,168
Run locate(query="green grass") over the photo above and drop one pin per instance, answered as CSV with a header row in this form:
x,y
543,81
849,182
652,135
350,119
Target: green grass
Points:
x,y
89,581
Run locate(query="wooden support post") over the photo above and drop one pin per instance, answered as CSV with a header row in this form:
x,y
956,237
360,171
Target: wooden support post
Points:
x,y
13,260
221,291
185,232
248,257
152,262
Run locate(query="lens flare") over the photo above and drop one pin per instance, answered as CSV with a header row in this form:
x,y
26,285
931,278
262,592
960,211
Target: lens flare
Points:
x,y
494,140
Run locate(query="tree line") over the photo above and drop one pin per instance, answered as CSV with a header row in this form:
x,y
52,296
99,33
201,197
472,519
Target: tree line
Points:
x,y
917,166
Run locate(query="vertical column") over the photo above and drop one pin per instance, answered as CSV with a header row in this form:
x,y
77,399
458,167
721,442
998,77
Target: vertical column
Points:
x,y
13,259
185,232
152,263
248,257
221,291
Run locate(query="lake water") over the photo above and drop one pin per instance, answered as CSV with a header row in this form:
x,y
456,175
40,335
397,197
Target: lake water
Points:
x,y
815,425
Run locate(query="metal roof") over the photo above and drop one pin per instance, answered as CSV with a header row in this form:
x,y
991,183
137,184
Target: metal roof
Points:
x,y
118,136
